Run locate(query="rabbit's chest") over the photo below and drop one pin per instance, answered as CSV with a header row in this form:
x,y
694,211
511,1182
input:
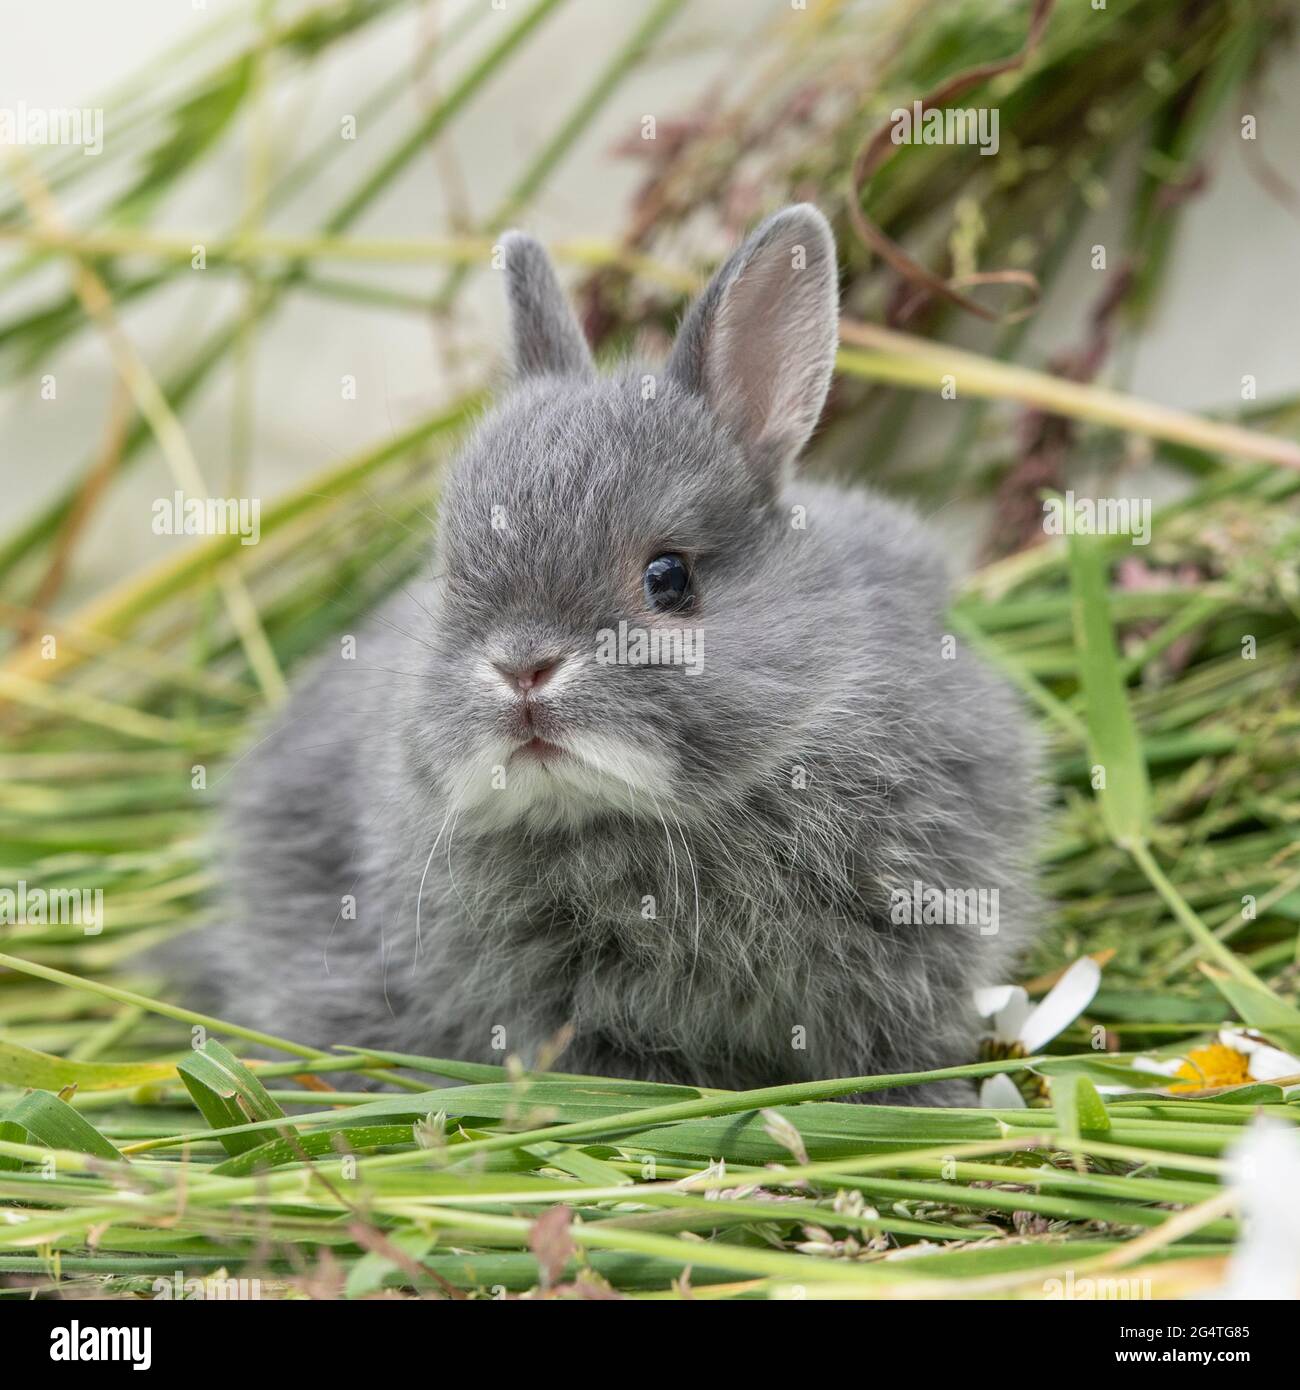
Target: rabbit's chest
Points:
x,y
667,964
655,939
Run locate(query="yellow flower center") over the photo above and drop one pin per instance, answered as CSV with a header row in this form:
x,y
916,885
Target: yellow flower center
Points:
x,y
1216,1065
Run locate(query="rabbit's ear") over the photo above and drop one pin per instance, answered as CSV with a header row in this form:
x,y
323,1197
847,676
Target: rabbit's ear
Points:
x,y
546,337
759,343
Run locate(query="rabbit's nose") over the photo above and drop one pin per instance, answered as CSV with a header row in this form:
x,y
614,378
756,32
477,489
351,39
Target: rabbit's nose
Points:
x,y
528,676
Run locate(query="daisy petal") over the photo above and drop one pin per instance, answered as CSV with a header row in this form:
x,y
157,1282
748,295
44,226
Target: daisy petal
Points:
x,y
1011,1008
1264,1168
1268,1063
1064,1002
1001,1093
994,999
1159,1066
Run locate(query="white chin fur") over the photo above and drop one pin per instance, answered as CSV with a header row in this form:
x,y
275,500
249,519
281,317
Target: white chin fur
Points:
x,y
596,774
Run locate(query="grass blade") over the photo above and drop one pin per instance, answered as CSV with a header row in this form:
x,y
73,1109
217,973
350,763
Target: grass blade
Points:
x,y
1119,771
228,1094
23,1066
56,1125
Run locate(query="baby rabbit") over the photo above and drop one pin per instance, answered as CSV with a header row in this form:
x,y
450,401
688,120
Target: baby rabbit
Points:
x,y
667,750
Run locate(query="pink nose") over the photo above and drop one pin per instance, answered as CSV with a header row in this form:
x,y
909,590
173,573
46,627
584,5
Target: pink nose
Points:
x,y
530,675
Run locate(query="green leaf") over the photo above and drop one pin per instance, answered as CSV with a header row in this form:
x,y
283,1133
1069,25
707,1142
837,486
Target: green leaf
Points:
x,y
1251,1093
1113,741
475,1072
367,1275
1079,1109
828,1129
1254,1093
584,1166
1097,1071
24,1066
196,126
558,1101
485,1072
54,1123
355,1138
228,1094
1257,1008
11,1133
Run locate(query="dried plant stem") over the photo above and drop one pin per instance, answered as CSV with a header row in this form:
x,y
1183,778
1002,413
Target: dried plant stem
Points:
x,y
904,360
168,430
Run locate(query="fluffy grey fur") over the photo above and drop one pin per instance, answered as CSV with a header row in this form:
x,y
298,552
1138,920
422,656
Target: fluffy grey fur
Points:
x,y
700,887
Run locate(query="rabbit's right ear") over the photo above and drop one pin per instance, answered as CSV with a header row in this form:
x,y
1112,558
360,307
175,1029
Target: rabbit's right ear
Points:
x,y
546,337
759,343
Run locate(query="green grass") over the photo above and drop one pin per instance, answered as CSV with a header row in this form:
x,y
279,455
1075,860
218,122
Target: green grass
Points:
x,y
135,1142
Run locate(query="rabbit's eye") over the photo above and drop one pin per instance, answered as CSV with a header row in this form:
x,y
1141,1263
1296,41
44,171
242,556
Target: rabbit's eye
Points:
x,y
667,583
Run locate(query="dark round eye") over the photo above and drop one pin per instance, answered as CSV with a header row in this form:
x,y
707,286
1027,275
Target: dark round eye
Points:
x,y
667,583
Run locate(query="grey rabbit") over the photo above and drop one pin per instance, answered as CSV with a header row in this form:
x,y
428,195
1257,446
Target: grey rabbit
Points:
x,y
506,821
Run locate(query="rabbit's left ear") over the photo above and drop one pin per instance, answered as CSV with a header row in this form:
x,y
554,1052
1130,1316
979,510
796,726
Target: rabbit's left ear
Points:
x,y
759,343
547,339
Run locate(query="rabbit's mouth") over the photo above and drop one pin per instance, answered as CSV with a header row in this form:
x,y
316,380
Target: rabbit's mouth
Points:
x,y
534,780
539,750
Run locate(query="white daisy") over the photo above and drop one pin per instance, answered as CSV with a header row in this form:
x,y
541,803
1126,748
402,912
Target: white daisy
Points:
x,y
1023,1029
1239,1057
1264,1169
